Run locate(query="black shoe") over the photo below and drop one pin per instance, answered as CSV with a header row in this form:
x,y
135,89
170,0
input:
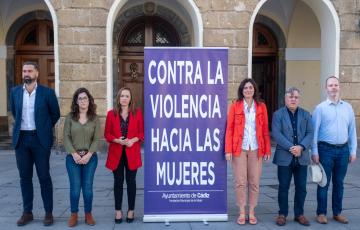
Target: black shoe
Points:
x,y
25,219
48,219
118,221
128,219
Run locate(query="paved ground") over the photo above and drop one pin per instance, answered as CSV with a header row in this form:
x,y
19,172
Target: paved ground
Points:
x,y
11,207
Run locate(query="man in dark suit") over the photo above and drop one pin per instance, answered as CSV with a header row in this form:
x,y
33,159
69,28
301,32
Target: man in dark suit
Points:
x,y
293,132
36,110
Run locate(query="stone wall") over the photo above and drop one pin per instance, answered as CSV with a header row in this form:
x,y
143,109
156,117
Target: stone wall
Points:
x,y
82,52
82,46
226,24
349,16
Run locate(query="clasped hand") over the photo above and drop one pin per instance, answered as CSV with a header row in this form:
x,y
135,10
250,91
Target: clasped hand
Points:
x,y
296,150
127,142
81,160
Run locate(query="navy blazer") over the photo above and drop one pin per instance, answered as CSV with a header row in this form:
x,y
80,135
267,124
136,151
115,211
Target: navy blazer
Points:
x,y
282,132
47,113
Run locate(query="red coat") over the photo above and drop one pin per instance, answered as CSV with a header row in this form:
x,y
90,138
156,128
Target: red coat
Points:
x,y
236,125
113,131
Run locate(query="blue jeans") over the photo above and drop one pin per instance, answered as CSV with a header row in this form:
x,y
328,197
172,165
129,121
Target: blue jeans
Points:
x,y
284,175
335,162
81,177
28,152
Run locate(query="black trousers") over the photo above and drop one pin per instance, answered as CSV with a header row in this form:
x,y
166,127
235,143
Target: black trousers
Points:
x,y
130,176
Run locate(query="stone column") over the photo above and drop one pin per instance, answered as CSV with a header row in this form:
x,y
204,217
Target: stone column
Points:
x,y
82,53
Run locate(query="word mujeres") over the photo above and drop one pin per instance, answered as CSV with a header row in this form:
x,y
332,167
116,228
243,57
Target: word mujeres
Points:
x,y
185,173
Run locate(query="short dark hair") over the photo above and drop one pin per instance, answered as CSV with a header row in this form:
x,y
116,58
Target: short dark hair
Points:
x,y
36,66
256,96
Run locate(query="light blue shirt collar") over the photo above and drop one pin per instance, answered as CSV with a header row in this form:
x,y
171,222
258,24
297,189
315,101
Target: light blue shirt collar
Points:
x,y
329,102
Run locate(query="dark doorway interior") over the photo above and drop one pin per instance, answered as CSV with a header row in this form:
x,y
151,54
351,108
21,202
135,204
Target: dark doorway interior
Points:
x,y
265,66
264,74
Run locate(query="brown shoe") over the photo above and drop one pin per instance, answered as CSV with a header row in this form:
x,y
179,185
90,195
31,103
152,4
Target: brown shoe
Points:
x,y
48,219
25,219
321,219
281,220
302,220
341,219
89,219
73,219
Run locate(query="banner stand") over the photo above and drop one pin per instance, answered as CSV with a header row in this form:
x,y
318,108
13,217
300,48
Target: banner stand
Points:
x,y
185,175
185,218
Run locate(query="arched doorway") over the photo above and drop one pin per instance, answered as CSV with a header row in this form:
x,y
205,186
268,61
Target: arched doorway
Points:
x,y
143,31
35,42
184,16
265,67
312,31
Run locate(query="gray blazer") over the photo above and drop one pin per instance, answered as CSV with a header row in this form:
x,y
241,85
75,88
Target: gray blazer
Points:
x,y
282,133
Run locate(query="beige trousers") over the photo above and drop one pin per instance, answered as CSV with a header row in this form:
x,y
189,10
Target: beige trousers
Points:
x,y
247,171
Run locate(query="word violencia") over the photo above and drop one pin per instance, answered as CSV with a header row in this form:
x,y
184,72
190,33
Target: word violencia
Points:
x,y
185,106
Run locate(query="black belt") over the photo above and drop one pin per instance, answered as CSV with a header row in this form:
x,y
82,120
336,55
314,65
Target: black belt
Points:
x,y
82,152
31,132
332,145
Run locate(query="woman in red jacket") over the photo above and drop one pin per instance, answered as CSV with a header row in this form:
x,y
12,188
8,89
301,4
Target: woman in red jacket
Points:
x,y
124,130
247,143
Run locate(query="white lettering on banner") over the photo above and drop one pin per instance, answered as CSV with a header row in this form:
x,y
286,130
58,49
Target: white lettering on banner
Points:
x,y
185,106
179,140
182,72
185,173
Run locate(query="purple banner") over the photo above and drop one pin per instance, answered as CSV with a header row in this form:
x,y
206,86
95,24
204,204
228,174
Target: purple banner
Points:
x,y
185,117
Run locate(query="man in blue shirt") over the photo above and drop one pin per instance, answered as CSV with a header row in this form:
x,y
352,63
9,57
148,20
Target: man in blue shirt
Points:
x,y
334,146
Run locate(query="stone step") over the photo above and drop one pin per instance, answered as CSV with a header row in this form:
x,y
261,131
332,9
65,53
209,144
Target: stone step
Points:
x,y
5,142
6,147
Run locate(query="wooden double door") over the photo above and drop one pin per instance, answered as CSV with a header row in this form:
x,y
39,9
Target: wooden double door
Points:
x,y
141,32
35,42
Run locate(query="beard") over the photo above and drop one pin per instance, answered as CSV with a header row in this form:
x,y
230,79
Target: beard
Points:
x,y
28,80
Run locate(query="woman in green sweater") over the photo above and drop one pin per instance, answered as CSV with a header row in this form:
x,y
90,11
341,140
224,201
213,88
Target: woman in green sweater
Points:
x,y
81,135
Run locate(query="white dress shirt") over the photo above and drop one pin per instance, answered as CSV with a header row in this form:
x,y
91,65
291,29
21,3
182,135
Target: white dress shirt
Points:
x,y
28,110
249,140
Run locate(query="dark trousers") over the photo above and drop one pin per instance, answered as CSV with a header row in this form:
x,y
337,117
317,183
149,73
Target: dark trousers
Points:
x,y
335,163
130,176
284,175
28,152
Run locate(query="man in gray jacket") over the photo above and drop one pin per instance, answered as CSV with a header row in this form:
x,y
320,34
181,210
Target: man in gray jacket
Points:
x,y
293,132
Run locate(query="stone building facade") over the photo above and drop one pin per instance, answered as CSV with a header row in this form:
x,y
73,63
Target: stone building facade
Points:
x,y
98,44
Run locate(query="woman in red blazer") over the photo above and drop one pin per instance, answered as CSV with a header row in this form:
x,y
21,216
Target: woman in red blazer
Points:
x,y
247,143
124,130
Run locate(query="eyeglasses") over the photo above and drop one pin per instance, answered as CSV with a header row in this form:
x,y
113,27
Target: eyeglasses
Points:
x,y
83,99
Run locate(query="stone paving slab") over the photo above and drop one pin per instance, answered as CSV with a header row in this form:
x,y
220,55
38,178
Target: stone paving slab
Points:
x,y
103,205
